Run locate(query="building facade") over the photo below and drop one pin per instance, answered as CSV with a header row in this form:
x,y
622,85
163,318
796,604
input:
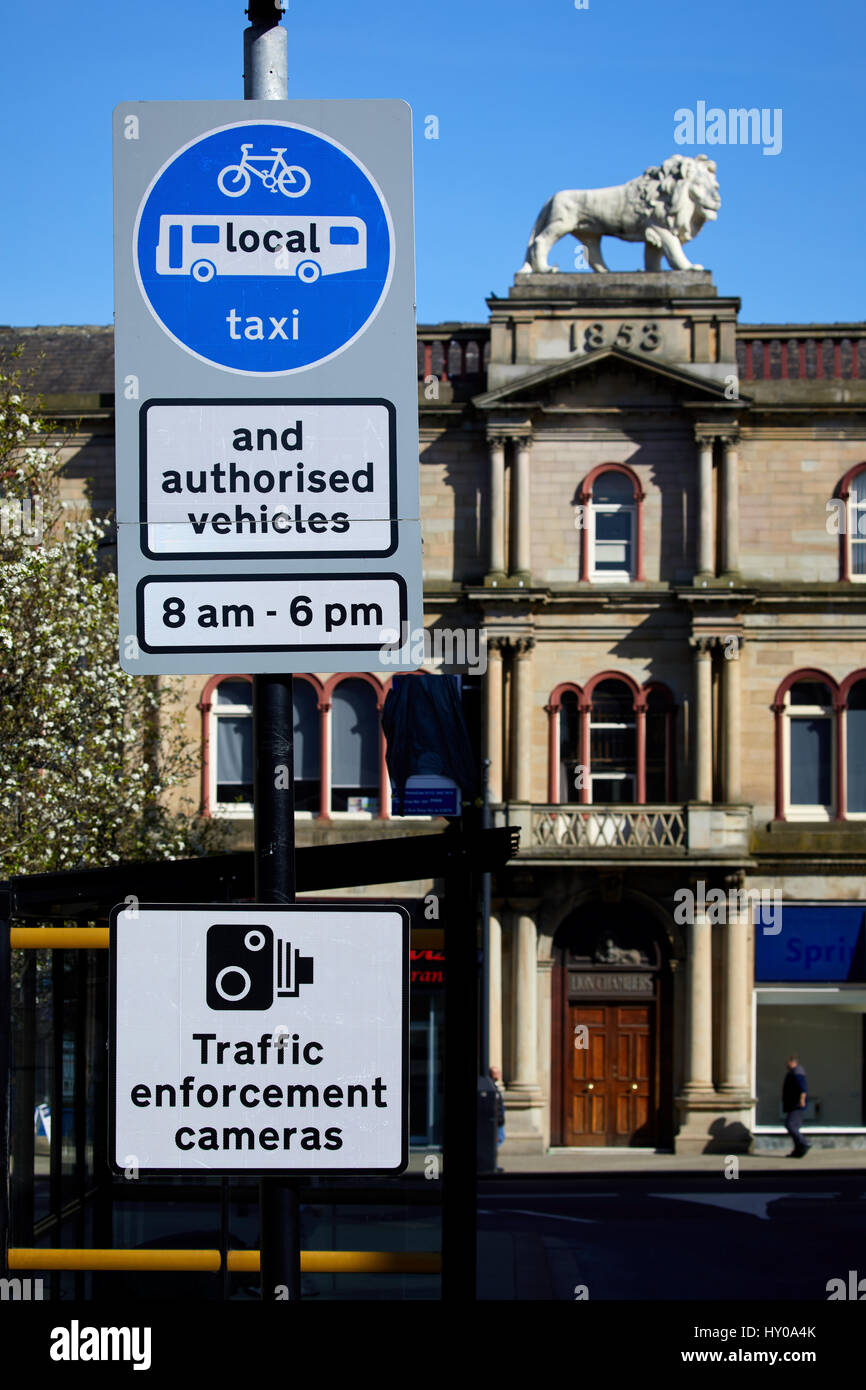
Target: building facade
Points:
x,y
645,554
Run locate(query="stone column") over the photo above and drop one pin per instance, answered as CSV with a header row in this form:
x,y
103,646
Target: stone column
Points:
x,y
384,777
699,1008
730,484
325,760
493,715
521,720
706,530
520,561
544,983
731,700
496,558
640,751
495,992
703,725
525,1076
737,1022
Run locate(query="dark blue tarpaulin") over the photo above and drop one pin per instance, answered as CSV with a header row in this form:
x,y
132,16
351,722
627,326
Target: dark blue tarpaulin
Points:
x,y
426,733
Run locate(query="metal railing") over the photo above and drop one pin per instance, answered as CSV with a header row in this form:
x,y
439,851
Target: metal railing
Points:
x,y
237,1261
609,827
453,353
769,352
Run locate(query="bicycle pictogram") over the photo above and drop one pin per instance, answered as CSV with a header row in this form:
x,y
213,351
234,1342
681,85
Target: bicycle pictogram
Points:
x,y
291,180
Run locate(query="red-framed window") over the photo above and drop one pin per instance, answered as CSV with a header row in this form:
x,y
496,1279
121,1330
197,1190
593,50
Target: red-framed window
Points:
x,y
852,530
611,501
339,746
611,741
820,746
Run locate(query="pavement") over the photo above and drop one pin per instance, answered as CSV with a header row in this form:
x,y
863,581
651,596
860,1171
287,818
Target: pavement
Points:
x,y
625,1161
578,1161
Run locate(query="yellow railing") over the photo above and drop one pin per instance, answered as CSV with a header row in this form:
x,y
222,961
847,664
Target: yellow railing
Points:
x,y
192,1261
59,938
237,1261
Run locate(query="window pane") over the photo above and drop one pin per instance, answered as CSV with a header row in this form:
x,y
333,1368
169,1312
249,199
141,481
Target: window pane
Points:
x,y
857,696
568,725
612,541
612,557
613,526
612,749
235,693
613,487
612,703
810,762
306,732
858,554
656,752
855,732
619,790
234,773
810,693
355,736
568,749
858,488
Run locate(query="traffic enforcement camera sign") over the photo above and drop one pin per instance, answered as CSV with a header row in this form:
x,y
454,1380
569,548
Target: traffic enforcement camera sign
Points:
x,y
259,1039
266,388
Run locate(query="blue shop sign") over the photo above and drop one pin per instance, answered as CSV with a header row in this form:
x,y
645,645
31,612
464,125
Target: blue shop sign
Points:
x,y
817,942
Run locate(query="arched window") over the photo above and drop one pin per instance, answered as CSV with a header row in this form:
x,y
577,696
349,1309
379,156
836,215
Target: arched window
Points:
x,y
809,764
569,748
355,736
611,499
821,747
339,747
857,527
612,744
855,748
307,746
612,530
232,743
852,524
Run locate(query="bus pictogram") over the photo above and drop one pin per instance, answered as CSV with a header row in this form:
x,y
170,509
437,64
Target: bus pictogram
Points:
x,y
307,247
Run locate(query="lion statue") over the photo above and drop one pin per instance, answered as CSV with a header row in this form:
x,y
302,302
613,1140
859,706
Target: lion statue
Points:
x,y
663,208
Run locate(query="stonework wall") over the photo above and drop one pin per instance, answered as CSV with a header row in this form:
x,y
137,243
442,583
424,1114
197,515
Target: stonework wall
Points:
x,y
786,479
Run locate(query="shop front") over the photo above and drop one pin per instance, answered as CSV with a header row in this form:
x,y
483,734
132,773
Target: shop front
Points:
x,y
810,1001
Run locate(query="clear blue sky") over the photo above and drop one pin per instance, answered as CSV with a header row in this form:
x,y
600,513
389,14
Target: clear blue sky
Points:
x,y
531,97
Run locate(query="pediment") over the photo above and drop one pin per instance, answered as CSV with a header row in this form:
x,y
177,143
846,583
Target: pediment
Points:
x,y
610,376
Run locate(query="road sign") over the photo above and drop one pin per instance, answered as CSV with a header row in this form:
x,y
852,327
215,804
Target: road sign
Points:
x,y
259,1039
266,388
427,794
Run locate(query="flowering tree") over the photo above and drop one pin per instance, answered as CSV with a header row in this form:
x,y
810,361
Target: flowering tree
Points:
x,y
87,752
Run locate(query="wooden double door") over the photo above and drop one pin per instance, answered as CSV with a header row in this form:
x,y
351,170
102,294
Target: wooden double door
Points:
x,y
608,1082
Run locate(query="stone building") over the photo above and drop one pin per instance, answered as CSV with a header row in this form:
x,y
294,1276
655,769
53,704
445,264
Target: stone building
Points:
x,y
654,513
663,545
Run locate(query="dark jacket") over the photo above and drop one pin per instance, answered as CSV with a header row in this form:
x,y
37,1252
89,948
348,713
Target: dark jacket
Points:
x,y
500,1104
793,1087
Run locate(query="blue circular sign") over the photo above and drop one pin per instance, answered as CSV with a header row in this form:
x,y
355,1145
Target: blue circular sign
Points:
x,y
264,247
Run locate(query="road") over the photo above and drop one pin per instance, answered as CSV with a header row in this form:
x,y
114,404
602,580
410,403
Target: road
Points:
x,y
671,1236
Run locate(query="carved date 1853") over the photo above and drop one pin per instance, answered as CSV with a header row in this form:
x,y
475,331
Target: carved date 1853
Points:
x,y
628,335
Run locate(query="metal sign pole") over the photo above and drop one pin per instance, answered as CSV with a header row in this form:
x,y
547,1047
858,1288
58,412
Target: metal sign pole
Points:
x,y
5,1065
266,78
484,1067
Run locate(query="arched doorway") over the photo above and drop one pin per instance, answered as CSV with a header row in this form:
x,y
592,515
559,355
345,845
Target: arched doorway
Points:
x,y
610,1029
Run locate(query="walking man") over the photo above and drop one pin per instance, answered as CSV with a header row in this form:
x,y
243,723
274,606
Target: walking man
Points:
x,y
496,1077
794,1096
